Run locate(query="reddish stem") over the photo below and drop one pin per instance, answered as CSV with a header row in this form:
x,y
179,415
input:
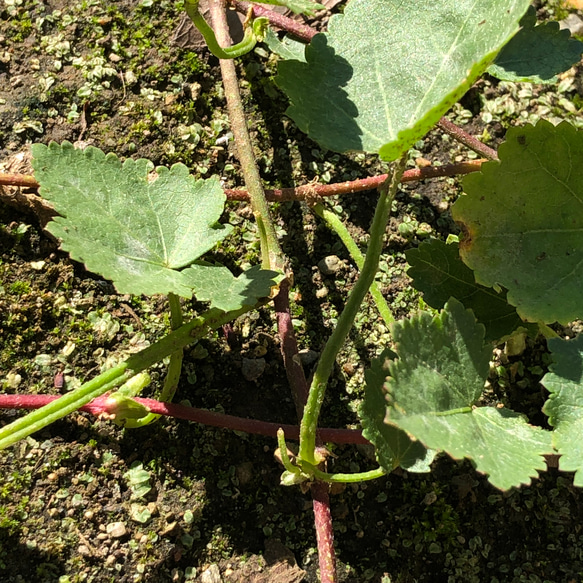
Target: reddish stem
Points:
x,y
289,349
307,192
466,139
301,31
22,180
324,532
103,405
315,191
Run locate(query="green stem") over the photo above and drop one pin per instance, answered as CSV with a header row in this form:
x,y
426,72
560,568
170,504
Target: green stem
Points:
x,y
271,254
346,319
349,478
334,223
174,367
253,33
68,403
116,376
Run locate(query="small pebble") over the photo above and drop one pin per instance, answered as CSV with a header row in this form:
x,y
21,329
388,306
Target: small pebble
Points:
x,y
170,529
322,293
308,357
330,265
252,369
211,575
116,529
574,23
84,551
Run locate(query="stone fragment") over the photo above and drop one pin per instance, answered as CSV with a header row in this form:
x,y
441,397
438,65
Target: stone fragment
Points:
x,y
330,265
116,529
574,23
211,575
252,368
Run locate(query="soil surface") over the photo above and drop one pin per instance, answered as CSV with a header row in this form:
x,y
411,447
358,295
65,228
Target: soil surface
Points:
x,y
85,500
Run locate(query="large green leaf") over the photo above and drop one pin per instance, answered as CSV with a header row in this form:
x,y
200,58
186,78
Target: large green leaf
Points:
x,y
536,54
565,404
393,447
433,386
124,224
438,271
386,71
523,219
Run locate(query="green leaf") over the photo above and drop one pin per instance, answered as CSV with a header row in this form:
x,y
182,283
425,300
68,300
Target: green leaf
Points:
x,y
286,48
565,404
536,54
125,226
498,441
227,292
386,72
432,387
306,7
438,272
522,220
393,447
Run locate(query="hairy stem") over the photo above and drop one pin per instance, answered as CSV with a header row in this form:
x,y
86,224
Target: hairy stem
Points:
x,y
324,532
114,377
301,31
334,344
252,33
466,139
350,478
103,405
340,229
308,192
272,256
289,349
54,410
174,366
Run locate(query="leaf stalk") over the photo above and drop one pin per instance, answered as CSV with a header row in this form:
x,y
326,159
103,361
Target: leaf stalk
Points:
x,y
116,376
271,254
334,344
340,229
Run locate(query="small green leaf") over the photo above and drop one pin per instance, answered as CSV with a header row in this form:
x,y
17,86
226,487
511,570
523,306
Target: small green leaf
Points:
x,y
431,390
438,271
385,72
522,219
565,404
125,226
393,447
286,48
140,513
536,54
138,480
227,292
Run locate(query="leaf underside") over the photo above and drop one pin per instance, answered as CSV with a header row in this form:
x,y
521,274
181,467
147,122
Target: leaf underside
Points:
x,y
386,72
565,404
432,387
438,272
536,54
124,225
522,220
